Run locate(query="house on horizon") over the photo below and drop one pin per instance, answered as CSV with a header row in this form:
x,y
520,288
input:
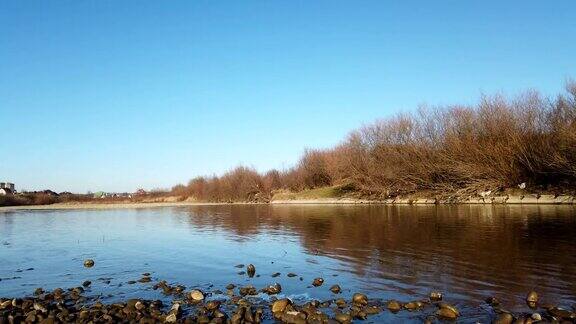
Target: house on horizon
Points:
x,y
7,188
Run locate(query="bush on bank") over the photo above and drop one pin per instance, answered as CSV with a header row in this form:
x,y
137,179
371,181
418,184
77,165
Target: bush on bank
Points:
x,y
459,149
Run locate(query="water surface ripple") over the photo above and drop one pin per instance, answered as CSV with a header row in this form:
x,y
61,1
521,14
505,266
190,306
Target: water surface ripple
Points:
x,y
388,252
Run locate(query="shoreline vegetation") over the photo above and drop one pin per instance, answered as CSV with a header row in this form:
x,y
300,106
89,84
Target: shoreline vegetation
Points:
x,y
499,150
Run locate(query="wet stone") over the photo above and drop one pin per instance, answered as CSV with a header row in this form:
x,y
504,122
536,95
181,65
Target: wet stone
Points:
x,y
413,305
248,291
213,305
447,311
196,295
171,318
335,289
435,296
532,299
86,283
144,279
560,313
88,263
394,306
340,303
273,289
492,301
343,318
317,282
372,310
360,299
280,305
251,270
139,305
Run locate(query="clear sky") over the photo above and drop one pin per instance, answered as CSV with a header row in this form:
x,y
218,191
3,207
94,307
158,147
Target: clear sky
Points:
x,y
116,95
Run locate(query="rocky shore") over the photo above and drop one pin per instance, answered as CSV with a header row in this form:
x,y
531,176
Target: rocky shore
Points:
x,y
249,304
532,199
490,200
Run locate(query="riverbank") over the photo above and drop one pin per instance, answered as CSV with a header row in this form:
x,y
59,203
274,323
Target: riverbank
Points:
x,y
343,195
496,200
112,205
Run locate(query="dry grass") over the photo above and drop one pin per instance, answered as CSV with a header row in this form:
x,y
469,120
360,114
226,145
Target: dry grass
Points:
x,y
333,192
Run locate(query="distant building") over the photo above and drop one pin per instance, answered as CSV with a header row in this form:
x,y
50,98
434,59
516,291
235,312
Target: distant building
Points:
x,y
5,192
7,188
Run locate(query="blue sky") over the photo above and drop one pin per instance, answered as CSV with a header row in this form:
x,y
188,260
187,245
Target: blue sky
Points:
x,y
116,95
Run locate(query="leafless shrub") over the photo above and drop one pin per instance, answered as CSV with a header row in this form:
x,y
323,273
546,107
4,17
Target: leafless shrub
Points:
x,y
498,142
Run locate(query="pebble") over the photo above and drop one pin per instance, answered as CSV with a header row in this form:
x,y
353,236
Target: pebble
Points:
x,y
448,312
171,318
532,299
280,305
213,305
144,279
89,263
273,289
413,305
435,296
248,291
394,306
317,282
251,270
139,305
343,318
71,306
196,295
335,289
492,301
340,303
360,299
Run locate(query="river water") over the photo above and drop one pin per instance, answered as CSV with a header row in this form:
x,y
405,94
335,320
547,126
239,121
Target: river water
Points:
x,y
388,252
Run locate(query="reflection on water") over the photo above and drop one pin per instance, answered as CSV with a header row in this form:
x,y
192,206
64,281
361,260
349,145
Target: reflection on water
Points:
x,y
401,252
